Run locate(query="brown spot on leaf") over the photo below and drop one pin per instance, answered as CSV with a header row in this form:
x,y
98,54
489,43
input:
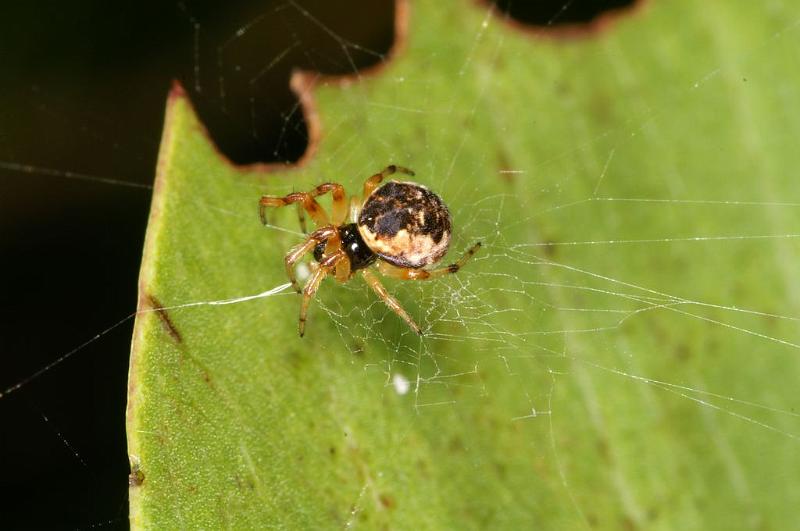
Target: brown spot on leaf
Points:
x,y
387,501
549,247
505,171
629,524
136,476
456,445
603,449
156,305
683,352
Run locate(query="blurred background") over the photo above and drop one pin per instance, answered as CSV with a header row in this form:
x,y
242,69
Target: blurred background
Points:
x,y
82,94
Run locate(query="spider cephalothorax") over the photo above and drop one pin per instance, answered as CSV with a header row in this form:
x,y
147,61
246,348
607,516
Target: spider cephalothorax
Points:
x,y
402,226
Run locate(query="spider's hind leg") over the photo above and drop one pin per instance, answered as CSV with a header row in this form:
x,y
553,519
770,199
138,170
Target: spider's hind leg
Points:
x,y
372,182
403,273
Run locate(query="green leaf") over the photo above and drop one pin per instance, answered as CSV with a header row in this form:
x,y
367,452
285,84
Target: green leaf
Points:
x,y
622,353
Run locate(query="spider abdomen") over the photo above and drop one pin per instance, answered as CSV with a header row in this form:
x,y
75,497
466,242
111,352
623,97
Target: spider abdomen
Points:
x,y
405,224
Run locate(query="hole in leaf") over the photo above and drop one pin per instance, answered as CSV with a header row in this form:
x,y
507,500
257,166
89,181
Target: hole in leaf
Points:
x,y
239,81
554,13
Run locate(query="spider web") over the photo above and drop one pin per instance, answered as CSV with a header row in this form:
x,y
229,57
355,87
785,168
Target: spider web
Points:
x,y
557,320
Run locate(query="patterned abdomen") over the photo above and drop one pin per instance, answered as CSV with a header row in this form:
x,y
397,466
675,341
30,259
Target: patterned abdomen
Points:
x,y
405,224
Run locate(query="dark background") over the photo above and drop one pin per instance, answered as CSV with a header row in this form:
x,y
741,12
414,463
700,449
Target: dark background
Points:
x,y
82,92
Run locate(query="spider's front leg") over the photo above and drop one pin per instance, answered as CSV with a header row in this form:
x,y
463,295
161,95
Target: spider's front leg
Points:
x,y
326,266
309,204
299,251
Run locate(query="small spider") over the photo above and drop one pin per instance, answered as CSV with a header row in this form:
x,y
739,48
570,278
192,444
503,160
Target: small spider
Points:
x,y
401,225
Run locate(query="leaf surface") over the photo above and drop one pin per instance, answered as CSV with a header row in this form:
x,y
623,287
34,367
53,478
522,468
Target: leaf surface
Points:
x,y
622,353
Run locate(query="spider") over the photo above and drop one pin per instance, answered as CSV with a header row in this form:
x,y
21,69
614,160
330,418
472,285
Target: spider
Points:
x,y
402,226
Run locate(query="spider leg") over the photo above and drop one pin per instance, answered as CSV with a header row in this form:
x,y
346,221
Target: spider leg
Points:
x,y
325,267
373,282
343,270
355,208
390,270
372,182
309,204
298,251
334,245
339,202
